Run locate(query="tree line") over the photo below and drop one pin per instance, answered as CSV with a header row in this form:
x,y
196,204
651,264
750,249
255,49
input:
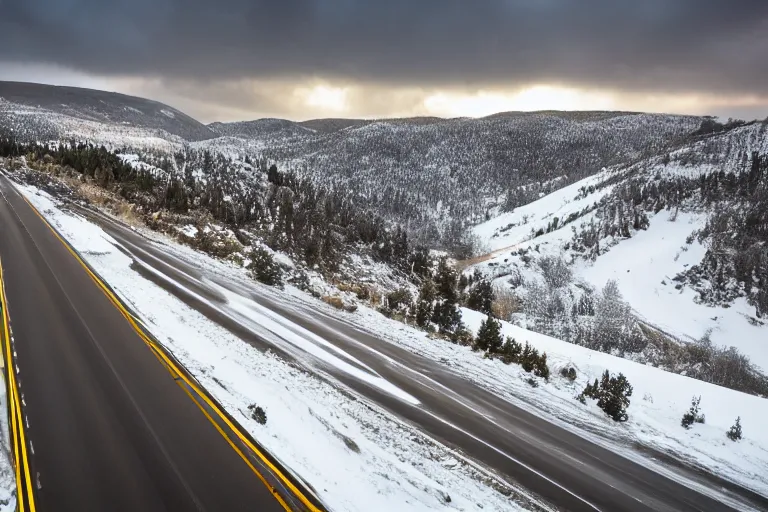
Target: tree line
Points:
x,y
316,225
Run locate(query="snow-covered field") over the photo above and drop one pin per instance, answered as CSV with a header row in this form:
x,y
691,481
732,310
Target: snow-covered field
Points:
x,y
355,456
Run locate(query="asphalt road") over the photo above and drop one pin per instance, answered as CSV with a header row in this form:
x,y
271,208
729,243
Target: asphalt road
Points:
x,y
108,428
566,470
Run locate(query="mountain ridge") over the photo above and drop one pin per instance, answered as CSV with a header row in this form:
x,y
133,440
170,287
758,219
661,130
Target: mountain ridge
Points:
x,y
105,107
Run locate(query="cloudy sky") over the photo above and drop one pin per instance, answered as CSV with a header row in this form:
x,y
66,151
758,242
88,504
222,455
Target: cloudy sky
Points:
x,y
301,59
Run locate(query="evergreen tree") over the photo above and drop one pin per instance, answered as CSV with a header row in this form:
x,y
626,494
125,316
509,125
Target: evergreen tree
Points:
x,y
540,367
489,337
481,297
511,351
446,281
526,358
590,391
424,305
693,414
447,316
264,268
734,433
612,395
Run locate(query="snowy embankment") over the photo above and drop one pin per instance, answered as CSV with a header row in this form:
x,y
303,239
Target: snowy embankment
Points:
x,y
659,400
356,456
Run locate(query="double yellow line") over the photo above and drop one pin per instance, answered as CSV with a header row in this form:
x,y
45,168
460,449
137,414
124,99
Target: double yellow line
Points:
x,y
178,373
19,441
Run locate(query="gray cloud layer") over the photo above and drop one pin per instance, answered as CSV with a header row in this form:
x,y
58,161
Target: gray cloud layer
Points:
x,y
664,45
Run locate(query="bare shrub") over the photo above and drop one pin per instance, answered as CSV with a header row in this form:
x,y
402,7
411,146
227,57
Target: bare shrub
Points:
x,y
505,303
334,301
338,303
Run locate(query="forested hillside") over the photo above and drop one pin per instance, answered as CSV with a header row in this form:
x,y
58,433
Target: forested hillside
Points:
x,y
429,175
250,203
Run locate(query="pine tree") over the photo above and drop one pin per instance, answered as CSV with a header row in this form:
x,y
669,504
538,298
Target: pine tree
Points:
x,y
612,394
423,313
446,281
447,316
481,297
511,351
734,433
614,397
526,359
541,368
489,336
590,391
264,268
693,414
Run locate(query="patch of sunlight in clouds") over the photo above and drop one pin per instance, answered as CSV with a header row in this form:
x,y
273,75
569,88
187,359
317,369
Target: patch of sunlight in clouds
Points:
x,y
538,97
324,97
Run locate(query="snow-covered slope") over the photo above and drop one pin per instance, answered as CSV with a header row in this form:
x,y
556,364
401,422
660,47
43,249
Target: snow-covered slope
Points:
x,y
267,129
511,228
39,124
111,109
646,249
644,267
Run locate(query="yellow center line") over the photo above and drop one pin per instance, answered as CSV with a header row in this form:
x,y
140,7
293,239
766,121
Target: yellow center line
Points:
x,y
239,452
17,421
159,352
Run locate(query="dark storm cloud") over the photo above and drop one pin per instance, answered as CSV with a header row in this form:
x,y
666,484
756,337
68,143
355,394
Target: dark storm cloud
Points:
x,y
669,45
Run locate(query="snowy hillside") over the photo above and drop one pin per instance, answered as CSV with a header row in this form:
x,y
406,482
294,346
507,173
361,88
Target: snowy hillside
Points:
x,y
34,123
266,129
644,268
108,108
512,228
644,226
